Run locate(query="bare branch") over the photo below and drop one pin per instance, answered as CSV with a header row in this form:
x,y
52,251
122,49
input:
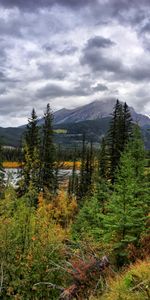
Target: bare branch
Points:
x,y
53,286
2,278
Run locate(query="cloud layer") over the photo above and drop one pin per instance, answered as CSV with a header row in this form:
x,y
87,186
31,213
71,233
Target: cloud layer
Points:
x,y
70,52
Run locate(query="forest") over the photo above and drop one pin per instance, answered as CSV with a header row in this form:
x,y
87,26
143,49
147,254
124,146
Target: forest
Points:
x,y
87,237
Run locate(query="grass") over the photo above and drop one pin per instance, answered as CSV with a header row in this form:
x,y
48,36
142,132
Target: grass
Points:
x,y
134,284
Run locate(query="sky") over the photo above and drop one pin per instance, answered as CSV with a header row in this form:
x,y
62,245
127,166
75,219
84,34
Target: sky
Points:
x,y
71,52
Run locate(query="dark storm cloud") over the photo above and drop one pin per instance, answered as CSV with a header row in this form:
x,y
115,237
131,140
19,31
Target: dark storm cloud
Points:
x,y
99,42
32,4
53,91
80,47
93,56
99,63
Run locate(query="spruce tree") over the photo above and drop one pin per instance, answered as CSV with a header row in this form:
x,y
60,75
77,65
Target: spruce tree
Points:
x,y
127,125
31,181
86,171
48,153
103,160
128,207
118,135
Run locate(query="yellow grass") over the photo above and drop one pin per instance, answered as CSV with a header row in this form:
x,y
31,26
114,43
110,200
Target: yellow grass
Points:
x,y
134,284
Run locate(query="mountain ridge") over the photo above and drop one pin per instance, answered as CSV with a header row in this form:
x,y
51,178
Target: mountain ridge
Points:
x,y
91,119
95,110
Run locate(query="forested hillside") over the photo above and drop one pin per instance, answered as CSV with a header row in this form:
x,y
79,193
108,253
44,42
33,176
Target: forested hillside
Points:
x,y
79,239
70,134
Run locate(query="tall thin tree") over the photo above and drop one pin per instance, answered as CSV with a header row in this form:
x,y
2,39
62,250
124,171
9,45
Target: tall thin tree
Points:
x,y
48,153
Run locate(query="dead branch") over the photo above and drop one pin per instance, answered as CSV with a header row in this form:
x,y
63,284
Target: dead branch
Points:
x,y
51,285
2,278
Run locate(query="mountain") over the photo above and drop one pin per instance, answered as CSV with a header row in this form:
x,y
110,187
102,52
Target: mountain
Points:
x,y
11,136
94,110
92,119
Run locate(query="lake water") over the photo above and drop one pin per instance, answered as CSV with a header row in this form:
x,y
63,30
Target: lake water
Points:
x,y
12,175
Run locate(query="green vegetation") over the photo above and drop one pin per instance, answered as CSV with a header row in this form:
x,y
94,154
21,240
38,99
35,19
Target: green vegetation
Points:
x,y
132,284
82,239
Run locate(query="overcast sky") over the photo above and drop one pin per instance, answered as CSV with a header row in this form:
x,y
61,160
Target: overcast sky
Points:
x,y
71,52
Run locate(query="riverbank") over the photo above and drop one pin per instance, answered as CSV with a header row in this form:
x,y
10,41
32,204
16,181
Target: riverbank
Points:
x,y
16,165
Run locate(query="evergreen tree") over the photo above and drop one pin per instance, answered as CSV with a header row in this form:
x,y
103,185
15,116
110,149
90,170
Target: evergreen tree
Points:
x,y
31,181
127,126
103,160
118,135
48,153
86,171
32,137
89,221
128,206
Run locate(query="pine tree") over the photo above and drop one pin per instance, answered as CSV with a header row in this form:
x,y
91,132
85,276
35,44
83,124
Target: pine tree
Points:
x,y
48,153
128,206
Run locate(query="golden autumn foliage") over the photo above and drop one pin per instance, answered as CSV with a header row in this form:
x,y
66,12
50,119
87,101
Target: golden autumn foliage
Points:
x,y
61,209
12,164
69,164
31,244
132,284
16,164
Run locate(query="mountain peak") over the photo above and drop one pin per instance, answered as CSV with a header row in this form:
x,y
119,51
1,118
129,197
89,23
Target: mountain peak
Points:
x,y
95,110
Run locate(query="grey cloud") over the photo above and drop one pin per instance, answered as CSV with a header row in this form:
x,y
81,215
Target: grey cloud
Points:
x,y
128,13
146,27
94,57
11,28
114,67
55,91
32,4
50,71
100,88
66,49
99,42
3,91
2,76
98,62
7,79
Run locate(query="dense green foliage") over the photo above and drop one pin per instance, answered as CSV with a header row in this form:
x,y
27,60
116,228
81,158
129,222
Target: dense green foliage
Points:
x,y
53,237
